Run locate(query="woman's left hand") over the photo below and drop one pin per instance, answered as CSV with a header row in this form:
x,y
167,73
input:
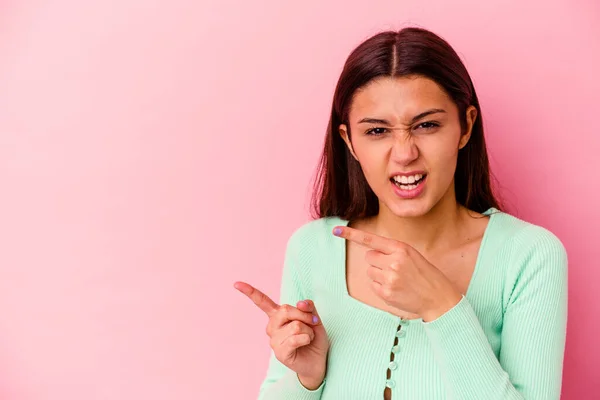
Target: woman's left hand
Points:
x,y
402,277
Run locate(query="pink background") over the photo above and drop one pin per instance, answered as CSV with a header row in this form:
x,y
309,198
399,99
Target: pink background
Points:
x,y
153,152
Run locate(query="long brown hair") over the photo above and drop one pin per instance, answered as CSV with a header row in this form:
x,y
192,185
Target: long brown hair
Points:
x,y
340,188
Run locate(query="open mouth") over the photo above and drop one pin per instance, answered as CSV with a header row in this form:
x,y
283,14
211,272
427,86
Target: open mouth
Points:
x,y
409,183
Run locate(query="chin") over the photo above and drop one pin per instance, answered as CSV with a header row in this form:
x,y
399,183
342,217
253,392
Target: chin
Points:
x,y
409,208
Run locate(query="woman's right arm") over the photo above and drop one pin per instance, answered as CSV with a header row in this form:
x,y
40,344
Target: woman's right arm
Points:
x,y
281,383
299,345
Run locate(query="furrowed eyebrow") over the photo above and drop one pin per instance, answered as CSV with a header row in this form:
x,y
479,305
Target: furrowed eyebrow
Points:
x,y
413,120
374,121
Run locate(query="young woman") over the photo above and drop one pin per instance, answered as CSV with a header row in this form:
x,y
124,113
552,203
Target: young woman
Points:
x,y
410,282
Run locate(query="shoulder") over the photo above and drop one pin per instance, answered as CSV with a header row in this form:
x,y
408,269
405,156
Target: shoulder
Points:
x,y
535,263
307,252
314,232
532,255
522,236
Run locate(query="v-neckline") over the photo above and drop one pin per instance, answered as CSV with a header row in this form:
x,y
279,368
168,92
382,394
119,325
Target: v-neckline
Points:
x,y
342,250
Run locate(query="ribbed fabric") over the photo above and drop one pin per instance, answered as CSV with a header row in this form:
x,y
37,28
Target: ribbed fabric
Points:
x,y
504,339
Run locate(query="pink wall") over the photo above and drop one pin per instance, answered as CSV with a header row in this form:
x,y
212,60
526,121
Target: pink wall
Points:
x,y
153,152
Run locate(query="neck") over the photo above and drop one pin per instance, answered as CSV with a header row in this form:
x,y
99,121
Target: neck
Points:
x,y
438,228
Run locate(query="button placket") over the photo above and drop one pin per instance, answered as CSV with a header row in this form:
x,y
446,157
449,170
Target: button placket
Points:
x,y
393,365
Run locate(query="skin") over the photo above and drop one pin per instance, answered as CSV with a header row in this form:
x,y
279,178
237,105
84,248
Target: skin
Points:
x,y
405,146
298,340
431,226
411,244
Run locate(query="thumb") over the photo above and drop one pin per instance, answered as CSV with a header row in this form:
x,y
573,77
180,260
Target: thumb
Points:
x,y
309,306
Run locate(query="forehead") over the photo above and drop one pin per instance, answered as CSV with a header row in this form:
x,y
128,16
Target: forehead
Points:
x,y
398,98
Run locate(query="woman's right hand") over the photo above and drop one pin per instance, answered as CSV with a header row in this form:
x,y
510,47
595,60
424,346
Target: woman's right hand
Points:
x,y
298,338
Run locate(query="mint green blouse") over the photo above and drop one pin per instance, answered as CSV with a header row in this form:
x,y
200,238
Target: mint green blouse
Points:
x,y
505,339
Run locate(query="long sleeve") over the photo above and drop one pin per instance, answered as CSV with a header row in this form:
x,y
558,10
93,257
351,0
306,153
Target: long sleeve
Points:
x,y
533,335
281,383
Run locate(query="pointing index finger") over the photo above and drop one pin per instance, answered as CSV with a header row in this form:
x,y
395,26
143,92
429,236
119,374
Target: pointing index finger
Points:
x,y
375,242
259,298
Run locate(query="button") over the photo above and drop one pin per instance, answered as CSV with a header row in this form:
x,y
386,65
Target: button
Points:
x,y
404,322
396,349
390,383
400,333
393,366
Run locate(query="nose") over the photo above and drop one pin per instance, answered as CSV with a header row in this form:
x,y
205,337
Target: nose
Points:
x,y
404,150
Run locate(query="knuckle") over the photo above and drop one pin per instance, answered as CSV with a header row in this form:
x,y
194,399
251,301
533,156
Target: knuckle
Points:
x,y
296,327
386,292
366,238
401,250
370,256
387,282
398,246
285,309
261,297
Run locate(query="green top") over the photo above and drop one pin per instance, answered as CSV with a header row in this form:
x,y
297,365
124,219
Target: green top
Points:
x,y
505,339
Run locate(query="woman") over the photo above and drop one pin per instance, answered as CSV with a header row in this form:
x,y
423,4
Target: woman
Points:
x,y
410,282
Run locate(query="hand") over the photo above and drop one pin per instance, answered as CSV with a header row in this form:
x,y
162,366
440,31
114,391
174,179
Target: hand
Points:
x,y
298,338
402,277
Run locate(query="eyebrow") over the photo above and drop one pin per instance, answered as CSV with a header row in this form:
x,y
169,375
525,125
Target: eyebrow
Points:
x,y
413,120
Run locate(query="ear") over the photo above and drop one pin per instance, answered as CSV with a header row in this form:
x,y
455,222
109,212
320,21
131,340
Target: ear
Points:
x,y
343,130
470,117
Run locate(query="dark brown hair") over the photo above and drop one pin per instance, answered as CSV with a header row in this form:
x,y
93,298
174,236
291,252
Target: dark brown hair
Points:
x,y
340,188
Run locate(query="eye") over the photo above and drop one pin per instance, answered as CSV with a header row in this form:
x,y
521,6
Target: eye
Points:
x,y
428,125
376,131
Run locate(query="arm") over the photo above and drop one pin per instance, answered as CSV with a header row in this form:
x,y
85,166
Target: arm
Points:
x,y
281,383
533,334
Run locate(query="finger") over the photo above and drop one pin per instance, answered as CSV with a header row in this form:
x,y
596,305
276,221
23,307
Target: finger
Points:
x,y
376,274
294,328
259,298
377,288
377,259
375,242
294,342
286,314
309,306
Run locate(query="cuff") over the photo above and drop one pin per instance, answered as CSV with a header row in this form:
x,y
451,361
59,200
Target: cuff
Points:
x,y
459,318
296,391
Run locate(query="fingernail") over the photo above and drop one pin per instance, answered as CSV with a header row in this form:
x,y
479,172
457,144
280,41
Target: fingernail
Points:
x,y
315,319
337,231
304,302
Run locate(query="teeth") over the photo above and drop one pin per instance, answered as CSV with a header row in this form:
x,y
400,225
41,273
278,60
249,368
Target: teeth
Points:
x,y
408,187
408,179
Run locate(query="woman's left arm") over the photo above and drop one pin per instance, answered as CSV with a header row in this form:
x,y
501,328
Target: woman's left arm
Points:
x,y
533,334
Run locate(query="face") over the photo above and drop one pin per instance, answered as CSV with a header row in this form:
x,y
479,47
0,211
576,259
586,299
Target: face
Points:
x,y
406,135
